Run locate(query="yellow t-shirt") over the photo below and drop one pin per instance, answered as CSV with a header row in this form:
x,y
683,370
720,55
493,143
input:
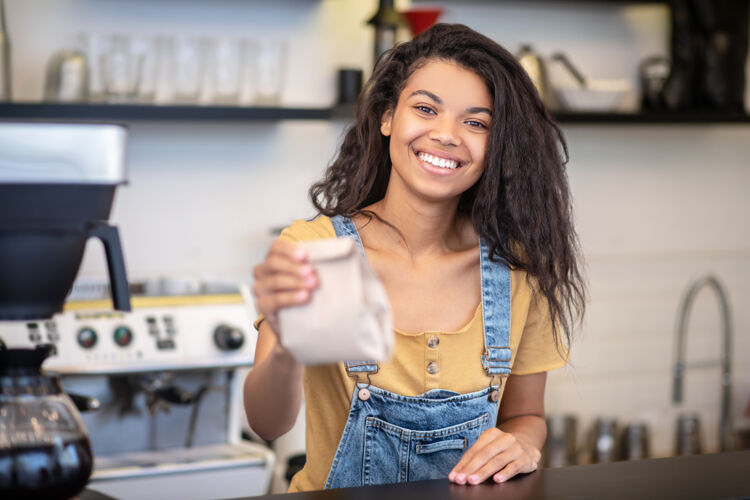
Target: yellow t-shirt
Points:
x,y
328,389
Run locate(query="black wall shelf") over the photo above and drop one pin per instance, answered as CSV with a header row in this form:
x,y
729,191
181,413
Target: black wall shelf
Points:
x,y
143,112
603,2
136,112
654,118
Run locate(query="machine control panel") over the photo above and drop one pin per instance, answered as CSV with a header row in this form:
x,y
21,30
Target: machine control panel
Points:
x,y
160,333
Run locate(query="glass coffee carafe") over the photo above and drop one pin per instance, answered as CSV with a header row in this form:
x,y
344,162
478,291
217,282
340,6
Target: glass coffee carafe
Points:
x,y
44,449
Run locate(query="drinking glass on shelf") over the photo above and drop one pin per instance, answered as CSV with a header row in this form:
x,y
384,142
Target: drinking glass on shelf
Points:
x,y
120,70
94,45
225,69
270,70
248,91
145,49
189,68
165,66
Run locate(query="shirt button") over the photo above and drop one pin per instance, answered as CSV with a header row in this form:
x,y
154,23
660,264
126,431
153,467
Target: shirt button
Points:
x,y
432,368
433,342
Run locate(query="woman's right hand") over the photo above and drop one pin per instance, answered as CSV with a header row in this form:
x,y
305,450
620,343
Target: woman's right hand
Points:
x,y
283,279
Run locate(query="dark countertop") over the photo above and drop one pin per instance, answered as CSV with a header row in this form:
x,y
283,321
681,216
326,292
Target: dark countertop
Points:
x,y
719,476
723,475
88,494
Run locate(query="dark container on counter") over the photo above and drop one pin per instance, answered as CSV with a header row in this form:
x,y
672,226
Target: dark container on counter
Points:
x,y
688,437
560,449
604,440
635,442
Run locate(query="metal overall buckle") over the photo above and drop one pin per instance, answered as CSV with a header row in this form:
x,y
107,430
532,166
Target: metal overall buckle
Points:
x,y
494,394
364,392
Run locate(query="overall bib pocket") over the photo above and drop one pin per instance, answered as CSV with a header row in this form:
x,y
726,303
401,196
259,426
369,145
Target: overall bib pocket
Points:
x,y
394,454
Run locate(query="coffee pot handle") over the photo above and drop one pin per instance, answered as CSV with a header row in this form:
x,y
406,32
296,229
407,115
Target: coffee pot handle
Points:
x,y
118,281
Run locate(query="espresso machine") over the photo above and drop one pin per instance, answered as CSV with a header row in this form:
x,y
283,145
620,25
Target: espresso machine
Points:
x,y
160,390
157,386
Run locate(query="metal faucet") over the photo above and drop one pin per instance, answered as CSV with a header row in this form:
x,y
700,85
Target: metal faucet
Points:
x,y
725,422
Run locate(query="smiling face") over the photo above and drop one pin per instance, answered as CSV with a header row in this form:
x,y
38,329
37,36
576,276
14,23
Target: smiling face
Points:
x,y
439,131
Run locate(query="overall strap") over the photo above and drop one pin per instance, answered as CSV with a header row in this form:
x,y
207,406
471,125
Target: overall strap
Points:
x,y
495,313
345,228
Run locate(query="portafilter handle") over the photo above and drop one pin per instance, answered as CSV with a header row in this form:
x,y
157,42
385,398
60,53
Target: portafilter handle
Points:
x,y
118,281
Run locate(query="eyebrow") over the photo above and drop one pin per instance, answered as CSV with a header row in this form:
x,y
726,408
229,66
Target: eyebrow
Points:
x,y
437,99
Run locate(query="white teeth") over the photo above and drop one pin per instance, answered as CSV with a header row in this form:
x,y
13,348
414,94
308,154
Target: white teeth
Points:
x,y
438,162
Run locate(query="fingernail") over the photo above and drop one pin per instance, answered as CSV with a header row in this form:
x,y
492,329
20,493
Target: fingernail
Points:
x,y
300,253
461,478
474,479
498,478
452,476
302,294
305,270
311,280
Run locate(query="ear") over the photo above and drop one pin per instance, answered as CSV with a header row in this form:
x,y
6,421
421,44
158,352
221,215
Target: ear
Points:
x,y
385,123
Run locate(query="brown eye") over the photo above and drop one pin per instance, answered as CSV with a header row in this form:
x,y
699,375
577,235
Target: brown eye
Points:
x,y
425,109
476,124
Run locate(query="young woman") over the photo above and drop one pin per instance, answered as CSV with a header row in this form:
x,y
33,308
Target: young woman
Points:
x,y
452,179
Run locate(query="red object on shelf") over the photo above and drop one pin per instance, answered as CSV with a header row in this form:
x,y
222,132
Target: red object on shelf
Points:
x,y
421,19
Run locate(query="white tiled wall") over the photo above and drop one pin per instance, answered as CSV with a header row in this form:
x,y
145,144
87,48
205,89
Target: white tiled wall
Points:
x,y
656,206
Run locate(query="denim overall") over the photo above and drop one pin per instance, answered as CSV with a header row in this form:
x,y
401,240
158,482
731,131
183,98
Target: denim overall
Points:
x,y
389,438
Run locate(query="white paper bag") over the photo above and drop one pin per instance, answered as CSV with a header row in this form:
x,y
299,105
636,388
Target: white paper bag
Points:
x,y
348,317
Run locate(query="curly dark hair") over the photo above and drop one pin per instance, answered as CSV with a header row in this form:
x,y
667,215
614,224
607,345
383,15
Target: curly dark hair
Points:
x,y
520,205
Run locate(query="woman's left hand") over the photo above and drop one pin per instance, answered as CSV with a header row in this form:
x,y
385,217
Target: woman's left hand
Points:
x,y
497,454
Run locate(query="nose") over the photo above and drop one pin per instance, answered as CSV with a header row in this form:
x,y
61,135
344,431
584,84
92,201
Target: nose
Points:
x,y
445,131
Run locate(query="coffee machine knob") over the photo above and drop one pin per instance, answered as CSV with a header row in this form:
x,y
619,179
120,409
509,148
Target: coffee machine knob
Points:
x,y
87,337
123,336
228,338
